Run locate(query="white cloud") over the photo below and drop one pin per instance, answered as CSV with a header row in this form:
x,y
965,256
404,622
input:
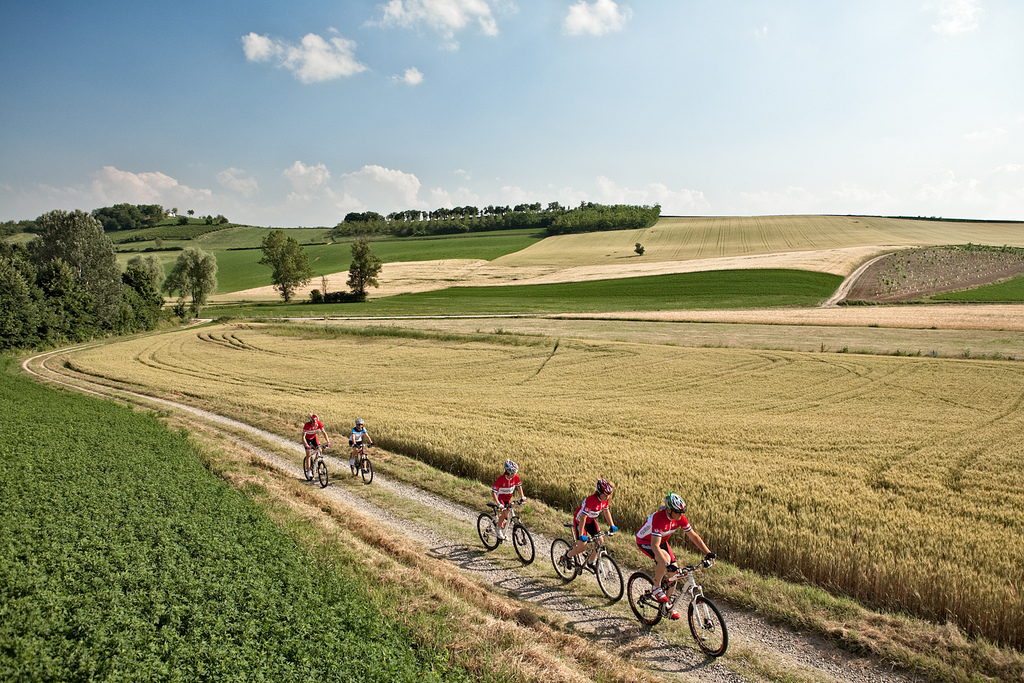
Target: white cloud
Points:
x,y
235,179
444,16
673,202
958,16
412,76
382,189
597,18
945,194
983,135
113,186
259,48
309,183
791,200
312,61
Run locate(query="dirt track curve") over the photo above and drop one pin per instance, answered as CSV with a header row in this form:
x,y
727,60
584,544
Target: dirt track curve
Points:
x,y
813,658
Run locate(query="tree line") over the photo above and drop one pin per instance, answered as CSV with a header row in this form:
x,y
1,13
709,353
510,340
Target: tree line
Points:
x,y
65,286
554,219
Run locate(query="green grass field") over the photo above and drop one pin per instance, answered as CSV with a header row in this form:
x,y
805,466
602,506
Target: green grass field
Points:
x,y
124,559
704,290
1011,291
238,254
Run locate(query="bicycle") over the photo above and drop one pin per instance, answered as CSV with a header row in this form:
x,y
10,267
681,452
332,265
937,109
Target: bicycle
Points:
x,y
361,464
487,527
313,465
605,569
706,623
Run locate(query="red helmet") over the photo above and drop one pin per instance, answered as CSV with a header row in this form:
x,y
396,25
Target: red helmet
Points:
x,y
604,486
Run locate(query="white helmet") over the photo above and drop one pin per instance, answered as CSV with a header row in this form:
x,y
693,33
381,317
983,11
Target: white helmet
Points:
x,y
674,503
511,467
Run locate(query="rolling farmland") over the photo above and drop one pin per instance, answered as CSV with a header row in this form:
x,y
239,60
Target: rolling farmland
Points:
x,y
895,480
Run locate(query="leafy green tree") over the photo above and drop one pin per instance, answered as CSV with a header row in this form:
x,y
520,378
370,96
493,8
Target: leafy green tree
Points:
x,y
78,239
19,301
289,262
151,266
364,269
141,301
194,276
71,304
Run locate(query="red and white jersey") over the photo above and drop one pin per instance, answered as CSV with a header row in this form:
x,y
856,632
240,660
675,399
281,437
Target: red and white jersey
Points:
x,y
659,524
310,429
505,486
592,506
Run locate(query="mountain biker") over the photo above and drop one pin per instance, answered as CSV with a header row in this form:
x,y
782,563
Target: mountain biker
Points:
x,y
501,492
584,521
356,438
652,540
310,432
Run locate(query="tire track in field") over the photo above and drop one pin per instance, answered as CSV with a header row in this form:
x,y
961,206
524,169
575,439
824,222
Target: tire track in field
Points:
x,y
816,658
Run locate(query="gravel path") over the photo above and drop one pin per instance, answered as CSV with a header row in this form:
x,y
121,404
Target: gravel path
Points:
x,y
816,658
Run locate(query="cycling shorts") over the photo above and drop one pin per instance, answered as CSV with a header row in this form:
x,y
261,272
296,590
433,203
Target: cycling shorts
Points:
x,y
647,550
589,527
311,441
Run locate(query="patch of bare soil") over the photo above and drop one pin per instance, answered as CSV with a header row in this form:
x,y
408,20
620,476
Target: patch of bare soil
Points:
x,y
913,274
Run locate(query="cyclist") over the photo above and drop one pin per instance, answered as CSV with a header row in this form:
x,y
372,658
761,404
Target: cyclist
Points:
x,y
652,540
310,431
504,487
356,438
584,521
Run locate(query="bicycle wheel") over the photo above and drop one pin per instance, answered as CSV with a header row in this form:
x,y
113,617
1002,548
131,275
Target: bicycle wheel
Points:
x,y
609,577
643,604
321,473
488,530
307,467
708,627
367,471
559,547
522,541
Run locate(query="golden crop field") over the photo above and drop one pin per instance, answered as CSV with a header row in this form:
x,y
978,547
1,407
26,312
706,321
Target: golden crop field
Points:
x,y
899,481
678,239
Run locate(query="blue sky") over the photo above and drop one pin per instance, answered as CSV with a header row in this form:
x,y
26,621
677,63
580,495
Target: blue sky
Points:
x,y
296,113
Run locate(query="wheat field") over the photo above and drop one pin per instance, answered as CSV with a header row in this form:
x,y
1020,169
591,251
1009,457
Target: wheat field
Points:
x,y
711,237
898,481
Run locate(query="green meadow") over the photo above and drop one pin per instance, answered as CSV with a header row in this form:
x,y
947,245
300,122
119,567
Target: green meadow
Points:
x,y
1011,291
123,558
702,290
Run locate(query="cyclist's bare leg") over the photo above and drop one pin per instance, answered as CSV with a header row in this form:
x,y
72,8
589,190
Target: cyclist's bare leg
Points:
x,y
577,549
593,551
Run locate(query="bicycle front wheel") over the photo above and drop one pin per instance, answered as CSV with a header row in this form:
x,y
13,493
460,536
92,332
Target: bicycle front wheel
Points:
x,y
322,475
708,627
488,530
522,541
643,604
367,471
609,577
567,572
307,467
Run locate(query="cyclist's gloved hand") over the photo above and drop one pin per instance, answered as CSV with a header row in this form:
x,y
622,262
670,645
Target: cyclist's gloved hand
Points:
x,y
613,529
584,538
710,557
328,445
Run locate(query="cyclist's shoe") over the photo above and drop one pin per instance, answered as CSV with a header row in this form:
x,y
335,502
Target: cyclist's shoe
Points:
x,y
566,561
659,595
501,534
674,615
592,567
